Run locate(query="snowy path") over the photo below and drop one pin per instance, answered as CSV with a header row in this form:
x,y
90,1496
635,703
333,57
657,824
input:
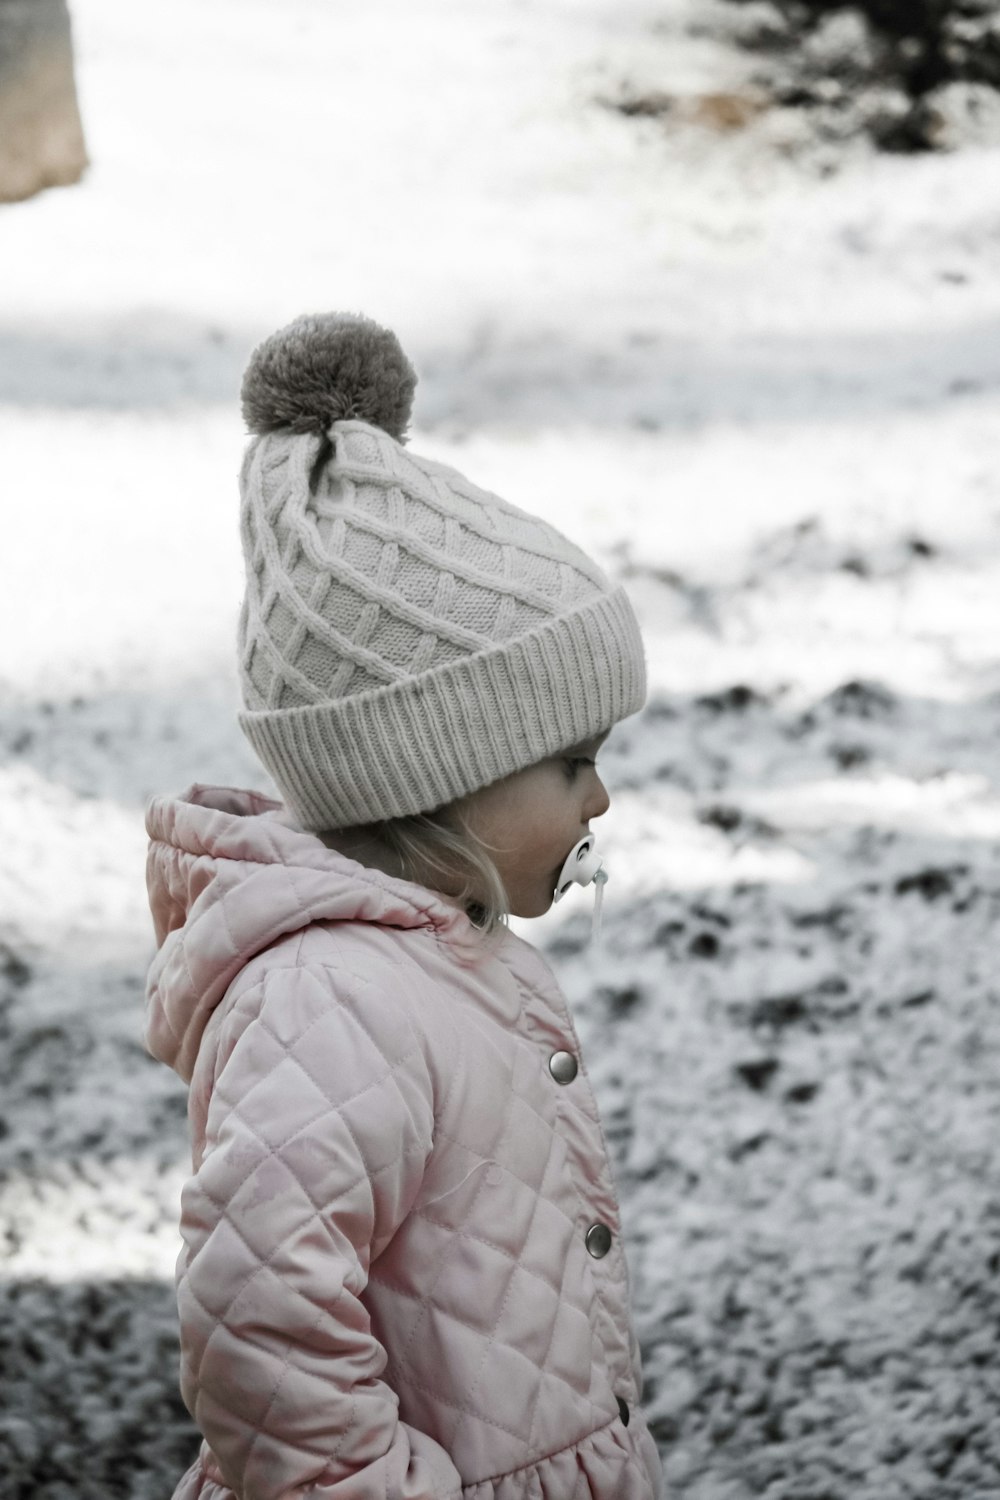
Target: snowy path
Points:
x,y
767,401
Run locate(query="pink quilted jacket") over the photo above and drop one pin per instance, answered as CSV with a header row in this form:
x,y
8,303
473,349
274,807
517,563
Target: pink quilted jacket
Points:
x,y
391,1283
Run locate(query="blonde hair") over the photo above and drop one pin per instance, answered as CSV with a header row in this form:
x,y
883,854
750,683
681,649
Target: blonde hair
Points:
x,y
439,850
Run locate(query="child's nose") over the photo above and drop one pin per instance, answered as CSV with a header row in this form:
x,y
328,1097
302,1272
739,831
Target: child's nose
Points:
x,y
600,801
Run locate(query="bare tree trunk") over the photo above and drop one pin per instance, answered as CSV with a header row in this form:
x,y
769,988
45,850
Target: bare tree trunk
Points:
x,y
41,138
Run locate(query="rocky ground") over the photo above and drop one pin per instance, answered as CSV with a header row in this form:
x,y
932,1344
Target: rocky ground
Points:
x,y
761,387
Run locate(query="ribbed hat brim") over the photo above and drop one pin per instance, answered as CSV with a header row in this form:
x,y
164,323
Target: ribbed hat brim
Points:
x,y
427,740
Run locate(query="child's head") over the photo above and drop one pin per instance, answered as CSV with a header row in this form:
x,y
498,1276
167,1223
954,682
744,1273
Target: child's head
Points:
x,y
417,656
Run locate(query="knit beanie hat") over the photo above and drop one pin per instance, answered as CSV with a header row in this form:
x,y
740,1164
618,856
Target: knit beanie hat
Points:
x,y
406,638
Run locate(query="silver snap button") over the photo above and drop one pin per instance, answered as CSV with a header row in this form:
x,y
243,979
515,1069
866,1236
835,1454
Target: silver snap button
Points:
x,y
598,1240
562,1066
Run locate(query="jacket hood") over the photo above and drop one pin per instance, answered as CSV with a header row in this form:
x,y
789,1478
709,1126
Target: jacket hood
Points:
x,y
227,877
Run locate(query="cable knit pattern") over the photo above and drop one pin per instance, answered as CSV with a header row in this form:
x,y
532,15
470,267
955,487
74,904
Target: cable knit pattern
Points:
x,y
407,637
384,1289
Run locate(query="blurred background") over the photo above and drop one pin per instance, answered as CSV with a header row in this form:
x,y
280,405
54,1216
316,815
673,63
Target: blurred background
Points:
x,y
713,286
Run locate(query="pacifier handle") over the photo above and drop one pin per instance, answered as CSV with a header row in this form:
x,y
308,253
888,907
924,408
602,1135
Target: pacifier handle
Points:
x,y
583,864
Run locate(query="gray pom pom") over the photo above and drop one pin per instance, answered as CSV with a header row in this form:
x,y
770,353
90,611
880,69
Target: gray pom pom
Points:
x,y
326,369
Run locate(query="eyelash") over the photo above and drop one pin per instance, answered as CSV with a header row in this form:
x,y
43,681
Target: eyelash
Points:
x,y
574,764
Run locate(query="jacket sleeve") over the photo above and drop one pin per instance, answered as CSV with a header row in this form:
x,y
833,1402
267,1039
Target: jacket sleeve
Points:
x,y
317,1134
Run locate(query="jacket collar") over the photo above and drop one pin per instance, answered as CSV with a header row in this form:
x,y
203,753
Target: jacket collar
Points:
x,y
228,876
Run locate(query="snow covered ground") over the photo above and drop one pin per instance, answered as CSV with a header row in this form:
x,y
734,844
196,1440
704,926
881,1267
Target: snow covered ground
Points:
x,y
765,396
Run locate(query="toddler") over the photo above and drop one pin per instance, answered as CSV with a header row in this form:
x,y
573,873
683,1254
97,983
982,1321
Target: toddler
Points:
x,y
402,1275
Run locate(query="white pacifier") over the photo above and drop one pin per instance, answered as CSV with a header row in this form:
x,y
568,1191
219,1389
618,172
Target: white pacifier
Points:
x,y
583,865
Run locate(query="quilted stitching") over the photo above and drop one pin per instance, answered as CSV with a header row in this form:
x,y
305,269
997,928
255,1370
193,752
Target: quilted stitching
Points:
x,y
556,1287
363,1101
562,1027
466,1406
220,1317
